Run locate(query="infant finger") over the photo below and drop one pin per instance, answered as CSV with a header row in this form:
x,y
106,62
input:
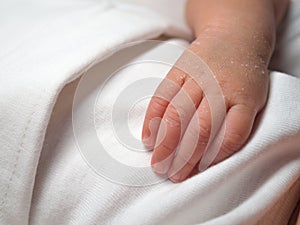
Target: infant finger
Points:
x,y
238,125
193,144
175,120
159,103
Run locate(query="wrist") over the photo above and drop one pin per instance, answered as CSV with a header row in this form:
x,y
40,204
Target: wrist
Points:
x,y
248,35
239,17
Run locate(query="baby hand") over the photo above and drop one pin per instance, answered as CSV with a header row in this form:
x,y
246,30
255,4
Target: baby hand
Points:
x,y
238,60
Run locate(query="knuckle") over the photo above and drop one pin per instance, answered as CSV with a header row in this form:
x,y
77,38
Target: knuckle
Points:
x,y
184,113
158,104
232,142
177,75
246,103
193,131
187,159
160,157
204,130
199,129
165,152
172,117
167,148
251,106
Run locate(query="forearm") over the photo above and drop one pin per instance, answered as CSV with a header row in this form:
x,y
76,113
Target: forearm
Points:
x,y
244,20
199,13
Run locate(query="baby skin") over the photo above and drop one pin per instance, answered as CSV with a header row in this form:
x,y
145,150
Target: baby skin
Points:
x,y
235,39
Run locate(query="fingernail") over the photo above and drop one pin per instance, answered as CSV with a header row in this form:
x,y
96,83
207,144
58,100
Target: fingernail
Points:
x,y
176,178
161,167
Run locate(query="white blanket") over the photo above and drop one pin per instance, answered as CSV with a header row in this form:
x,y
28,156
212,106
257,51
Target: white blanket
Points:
x,y
46,45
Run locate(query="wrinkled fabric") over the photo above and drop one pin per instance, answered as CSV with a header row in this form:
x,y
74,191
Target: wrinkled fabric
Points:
x,y
44,178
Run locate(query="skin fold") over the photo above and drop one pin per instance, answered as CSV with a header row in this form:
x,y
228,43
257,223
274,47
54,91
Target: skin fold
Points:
x,y
235,39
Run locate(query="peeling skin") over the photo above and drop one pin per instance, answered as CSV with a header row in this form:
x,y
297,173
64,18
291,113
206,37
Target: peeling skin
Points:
x,y
172,123
235,40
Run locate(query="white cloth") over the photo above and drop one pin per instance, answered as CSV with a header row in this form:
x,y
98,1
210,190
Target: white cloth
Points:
x,y
44,47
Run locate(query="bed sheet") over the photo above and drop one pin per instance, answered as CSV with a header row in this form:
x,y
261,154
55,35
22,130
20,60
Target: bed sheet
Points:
x,y
45,179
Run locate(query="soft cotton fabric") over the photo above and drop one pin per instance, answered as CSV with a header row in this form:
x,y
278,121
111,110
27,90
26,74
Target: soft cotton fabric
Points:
x,y
45,180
